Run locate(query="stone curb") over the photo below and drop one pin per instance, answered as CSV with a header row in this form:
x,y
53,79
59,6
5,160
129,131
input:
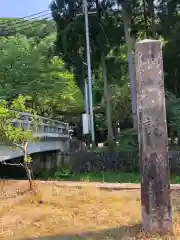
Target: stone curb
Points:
x,y
105,186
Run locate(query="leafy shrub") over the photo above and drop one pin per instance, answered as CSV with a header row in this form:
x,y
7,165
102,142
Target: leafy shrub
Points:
x,y
101,149
63,173
173,111
128,141
128,146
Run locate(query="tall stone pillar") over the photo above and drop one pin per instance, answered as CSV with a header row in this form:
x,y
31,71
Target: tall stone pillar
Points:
x,y
153,139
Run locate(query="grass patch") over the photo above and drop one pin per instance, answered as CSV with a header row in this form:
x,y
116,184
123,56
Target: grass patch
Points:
x,y
109,177
71,213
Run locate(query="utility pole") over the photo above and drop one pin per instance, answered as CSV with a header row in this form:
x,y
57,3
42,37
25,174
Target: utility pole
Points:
x,y
86,96
89,73
131,69
86,102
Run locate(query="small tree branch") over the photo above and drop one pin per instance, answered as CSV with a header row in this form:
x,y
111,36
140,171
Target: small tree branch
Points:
x,y
18,145
25,145
12,164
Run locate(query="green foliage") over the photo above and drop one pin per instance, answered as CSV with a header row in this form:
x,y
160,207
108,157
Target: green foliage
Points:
x,y
160,21
101,149
28,67
109,177
34,28
63,173
21,67
71,38
11,135
173,111
16,138
128,145
25,69
28,159
128,141
121,102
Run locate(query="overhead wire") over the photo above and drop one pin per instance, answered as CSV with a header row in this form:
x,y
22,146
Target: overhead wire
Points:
x,y
27,16
32,25
102,29
104,33
16,25
25,23
26,26
23,19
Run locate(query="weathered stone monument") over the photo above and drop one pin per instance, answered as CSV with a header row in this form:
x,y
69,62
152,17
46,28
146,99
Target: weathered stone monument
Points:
x,y
153,141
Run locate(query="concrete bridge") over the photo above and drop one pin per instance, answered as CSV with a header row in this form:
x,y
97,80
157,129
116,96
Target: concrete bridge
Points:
x,y
53,137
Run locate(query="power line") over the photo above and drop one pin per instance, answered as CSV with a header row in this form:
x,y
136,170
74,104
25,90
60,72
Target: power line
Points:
x,y
29,25
99,25
34,14
33,24
23,21
104,33
27,22
27,16
13,32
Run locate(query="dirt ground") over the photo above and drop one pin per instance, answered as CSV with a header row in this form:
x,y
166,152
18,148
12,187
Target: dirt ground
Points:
x,y
68,213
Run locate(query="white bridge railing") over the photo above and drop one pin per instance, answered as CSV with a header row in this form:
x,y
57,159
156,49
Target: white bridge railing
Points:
x,y
43,127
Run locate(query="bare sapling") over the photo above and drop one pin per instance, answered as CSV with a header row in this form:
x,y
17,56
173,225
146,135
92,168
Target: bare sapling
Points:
x,y
15,135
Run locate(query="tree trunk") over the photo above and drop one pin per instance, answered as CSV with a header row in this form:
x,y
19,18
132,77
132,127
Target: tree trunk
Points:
x,y
131,68
29,175
152,17
27,167
108,104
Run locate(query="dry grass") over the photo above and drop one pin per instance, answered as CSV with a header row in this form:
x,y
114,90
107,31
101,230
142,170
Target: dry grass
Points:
x,y
56,213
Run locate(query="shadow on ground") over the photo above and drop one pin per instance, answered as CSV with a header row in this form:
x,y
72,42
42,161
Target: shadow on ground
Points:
x,y
117,233
125,233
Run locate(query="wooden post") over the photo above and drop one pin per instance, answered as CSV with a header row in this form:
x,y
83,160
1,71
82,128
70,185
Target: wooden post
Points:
x,y
153,140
